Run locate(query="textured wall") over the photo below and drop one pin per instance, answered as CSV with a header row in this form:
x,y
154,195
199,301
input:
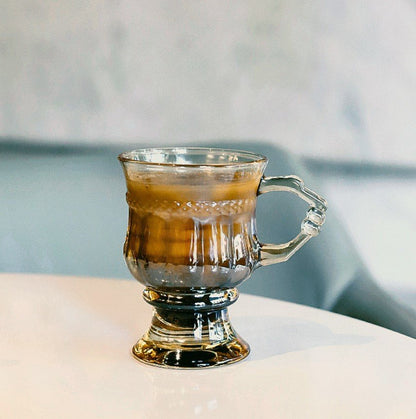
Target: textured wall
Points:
x,y
327,78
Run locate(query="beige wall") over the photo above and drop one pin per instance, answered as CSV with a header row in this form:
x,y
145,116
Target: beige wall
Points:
x,y
327,78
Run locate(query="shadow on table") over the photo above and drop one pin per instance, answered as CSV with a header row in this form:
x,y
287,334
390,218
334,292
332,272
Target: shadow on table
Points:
x,y
269,336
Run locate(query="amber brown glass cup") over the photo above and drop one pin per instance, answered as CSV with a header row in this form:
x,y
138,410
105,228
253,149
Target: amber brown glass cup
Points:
x,y
191,239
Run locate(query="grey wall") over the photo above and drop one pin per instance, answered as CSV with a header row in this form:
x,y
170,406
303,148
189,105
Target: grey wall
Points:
x,y
327,78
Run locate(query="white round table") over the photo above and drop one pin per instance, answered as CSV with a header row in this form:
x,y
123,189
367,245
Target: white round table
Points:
x,y
65,353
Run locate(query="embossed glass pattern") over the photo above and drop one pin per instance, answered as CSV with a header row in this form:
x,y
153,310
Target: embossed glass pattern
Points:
x,y
191,240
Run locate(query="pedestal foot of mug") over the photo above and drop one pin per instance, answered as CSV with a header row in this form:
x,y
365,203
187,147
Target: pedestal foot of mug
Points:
x,y
190,339
227,353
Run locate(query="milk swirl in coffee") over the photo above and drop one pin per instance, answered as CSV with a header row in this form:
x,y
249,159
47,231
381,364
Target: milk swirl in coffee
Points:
x,y
198,233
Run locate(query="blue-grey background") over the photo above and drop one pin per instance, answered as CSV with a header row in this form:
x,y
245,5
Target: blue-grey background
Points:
x,y
326,89
328,78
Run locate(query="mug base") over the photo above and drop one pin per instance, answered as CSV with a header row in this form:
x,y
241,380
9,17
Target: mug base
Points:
x,y
188,338
203,357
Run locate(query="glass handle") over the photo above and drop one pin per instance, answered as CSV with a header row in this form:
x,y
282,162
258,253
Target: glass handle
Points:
x,y
310,227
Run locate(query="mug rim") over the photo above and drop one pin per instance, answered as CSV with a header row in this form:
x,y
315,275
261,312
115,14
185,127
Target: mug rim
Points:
x,y
252,158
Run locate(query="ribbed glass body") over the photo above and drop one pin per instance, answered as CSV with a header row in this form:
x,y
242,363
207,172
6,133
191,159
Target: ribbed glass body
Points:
x,y
192,226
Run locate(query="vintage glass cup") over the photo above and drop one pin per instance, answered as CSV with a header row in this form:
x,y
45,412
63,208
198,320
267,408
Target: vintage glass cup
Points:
x,y
191,239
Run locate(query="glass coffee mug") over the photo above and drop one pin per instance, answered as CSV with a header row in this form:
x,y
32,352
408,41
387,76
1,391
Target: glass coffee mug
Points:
x,y
191,239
